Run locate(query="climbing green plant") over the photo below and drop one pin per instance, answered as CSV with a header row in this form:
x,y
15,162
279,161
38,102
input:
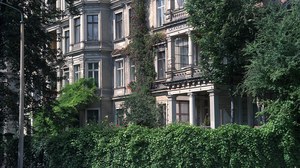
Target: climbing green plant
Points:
x,y
140,107
65,111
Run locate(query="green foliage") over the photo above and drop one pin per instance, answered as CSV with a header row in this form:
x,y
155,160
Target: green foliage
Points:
x,y
275,65
173,146
39,56
65,112
222,29
140,107
9,151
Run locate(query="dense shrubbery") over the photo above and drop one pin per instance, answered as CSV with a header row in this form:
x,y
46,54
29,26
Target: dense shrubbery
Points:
x,y
173,146
272,145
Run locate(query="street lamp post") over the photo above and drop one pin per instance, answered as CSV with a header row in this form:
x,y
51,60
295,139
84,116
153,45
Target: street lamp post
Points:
x,y
22,86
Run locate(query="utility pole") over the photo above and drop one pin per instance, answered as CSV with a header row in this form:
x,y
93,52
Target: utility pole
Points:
x,y
22,87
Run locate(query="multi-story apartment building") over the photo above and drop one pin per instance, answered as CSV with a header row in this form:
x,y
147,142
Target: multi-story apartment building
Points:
x,y
93,42
86,45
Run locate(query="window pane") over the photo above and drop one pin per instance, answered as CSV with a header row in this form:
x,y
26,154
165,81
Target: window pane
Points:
x,y
184,118
118,24
76,72
90,74
160,12
93,72
132,70
92,28
67,41
90,18
66,76
95,32
161,65
119,73
181,52
184,107
77,30
92,116
96,65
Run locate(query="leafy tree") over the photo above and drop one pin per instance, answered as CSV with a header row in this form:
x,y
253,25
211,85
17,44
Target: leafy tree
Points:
x,y
273,74
140,107
275,65
222,29
65,111
40,58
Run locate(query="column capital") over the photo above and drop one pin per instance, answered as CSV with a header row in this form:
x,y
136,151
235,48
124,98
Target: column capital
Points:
x,y
191,94
171,96
168,38
213,91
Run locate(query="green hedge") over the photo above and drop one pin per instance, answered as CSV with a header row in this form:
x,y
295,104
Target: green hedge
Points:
x,y
173,146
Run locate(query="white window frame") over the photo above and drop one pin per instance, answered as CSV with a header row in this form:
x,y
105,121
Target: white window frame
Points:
x,y
64,72
93,70
160,7
116,26
132,77
92,24
164,65
116,72
76,72
66,47
86,111
179,55
129,21
76,41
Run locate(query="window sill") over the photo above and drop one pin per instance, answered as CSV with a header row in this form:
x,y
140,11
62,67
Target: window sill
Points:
x,y
119,40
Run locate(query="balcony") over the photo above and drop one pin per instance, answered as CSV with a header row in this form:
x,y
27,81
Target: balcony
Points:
x,y
176,15
186,73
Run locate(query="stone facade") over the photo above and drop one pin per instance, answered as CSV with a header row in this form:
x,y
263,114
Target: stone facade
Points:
x,y
93,44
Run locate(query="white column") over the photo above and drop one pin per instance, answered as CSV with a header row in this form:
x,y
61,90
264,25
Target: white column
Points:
x,y
170,65
59,40
58,4
58,73
169,5
71,32
190,51
192,108
171,109
169,54
82,30
250,114
214,109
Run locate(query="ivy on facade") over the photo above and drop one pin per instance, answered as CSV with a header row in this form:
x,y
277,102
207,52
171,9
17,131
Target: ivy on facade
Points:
x,y
141,103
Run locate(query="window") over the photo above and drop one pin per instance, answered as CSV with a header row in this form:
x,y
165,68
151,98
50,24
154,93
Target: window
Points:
x,y
160,7
93,72
77,30
118,26
119,117
163,112
196,55
180,3
130,22
76,72
67,41
132,70
182,111
66,76
92,116
161,65
92,26
181,52
119,73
